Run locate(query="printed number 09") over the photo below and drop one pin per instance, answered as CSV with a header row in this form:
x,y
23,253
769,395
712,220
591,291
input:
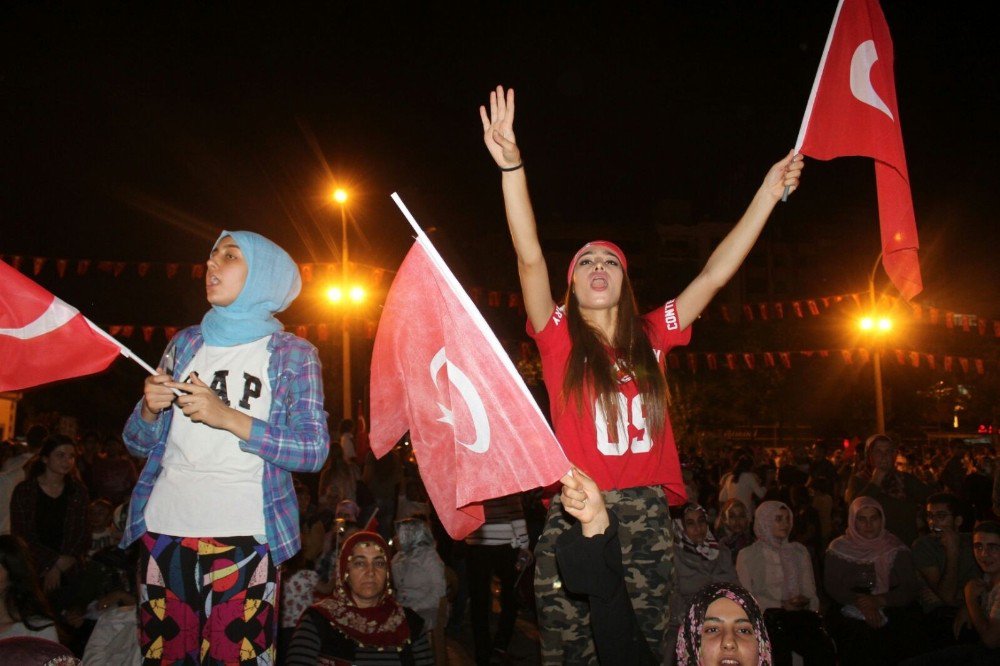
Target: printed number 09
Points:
x,y
640,444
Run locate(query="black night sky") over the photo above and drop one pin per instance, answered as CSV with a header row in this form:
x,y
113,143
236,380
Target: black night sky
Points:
x,y
136,133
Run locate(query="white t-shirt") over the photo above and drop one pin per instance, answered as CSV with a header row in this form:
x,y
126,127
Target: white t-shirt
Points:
x,y
208,486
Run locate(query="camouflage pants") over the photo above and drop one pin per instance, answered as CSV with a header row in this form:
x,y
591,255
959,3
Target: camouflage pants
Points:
x,y
647,555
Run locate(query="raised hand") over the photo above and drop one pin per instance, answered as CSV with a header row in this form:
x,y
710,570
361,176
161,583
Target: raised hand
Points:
x,y
583,500
785,173
498,128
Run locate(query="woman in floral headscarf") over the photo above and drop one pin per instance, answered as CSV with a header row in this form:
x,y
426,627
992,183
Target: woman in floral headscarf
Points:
x,y
869,572
360,621
723,622
779,574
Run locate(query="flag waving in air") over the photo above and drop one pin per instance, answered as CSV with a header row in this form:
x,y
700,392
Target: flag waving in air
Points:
x,y
42,339
852,110
439,372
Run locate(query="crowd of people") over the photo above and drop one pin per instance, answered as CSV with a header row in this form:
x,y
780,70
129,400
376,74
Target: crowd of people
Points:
x,y
248,537
849,552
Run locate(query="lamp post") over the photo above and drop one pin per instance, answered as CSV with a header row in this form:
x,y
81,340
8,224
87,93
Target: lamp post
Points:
x,y
877,326
340,196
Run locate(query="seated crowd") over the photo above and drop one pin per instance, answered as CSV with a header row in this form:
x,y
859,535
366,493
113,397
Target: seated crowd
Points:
x,y
849,555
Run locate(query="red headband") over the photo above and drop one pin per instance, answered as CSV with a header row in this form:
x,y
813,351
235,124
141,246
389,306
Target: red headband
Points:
x,y
607,245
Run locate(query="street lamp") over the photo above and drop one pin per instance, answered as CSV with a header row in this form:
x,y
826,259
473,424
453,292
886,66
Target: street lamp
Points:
x,y
878,325
340,196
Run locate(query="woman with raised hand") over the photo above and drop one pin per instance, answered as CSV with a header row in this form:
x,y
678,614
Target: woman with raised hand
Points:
x,y
603,366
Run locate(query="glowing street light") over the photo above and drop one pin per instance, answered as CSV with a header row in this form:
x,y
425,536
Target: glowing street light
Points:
x,y
357,293
878,326
335,294
340,196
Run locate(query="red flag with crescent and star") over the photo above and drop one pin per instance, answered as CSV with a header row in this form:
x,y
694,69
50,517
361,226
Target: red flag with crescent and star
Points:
x,y
440,372
852,110
42,339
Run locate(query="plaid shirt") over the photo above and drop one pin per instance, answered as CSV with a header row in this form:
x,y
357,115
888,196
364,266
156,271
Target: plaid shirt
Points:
x,y
294,438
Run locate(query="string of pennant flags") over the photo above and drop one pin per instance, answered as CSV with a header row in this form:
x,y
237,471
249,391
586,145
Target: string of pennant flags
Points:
x,y
494,298
530,366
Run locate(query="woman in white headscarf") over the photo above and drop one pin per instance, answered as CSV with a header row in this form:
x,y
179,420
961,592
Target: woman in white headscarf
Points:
x,y
779,574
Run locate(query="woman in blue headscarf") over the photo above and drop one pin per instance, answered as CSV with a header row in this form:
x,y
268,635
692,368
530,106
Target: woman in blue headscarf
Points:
x,y
236,406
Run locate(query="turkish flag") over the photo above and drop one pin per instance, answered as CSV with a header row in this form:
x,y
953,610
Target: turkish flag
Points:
x,y
440,372
852,110
42,339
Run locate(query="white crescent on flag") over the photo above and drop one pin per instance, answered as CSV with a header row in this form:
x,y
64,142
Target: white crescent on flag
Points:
x,y
57,315
467,390
864,58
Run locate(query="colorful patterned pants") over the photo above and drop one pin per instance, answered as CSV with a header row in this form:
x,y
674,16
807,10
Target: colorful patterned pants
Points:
x,y
206,601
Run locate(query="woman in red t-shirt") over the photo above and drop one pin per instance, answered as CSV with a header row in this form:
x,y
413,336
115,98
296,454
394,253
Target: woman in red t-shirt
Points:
x,y
603,367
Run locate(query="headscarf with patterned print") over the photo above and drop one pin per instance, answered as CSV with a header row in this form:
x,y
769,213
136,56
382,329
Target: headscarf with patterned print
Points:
x,y
689,636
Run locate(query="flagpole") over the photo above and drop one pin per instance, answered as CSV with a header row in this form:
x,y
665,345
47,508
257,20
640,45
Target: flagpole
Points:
x,y
122,349
464,299
815,87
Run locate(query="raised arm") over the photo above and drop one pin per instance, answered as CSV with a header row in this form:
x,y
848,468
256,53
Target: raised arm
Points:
x,y
498,135
729,255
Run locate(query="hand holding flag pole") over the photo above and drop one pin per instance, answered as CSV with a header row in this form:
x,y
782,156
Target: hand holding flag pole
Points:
x,y
125,351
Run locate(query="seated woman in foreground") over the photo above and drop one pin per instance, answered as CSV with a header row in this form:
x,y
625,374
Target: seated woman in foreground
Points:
x,y
722,626
360,621
869,573
779,574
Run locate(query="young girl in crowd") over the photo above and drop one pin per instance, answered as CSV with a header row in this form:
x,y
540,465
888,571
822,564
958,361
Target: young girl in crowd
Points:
x,y
603,367
779,574
723,625
49,511
216,493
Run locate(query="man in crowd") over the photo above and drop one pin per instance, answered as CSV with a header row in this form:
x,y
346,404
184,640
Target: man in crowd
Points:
x,y
945,562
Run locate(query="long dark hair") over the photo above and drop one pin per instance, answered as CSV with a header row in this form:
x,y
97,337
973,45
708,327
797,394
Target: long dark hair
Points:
x,y
591,372
23,597
50,444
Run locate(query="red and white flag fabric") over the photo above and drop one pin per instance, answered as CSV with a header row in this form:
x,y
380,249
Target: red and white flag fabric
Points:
x,y
440,372
42,339
852,110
